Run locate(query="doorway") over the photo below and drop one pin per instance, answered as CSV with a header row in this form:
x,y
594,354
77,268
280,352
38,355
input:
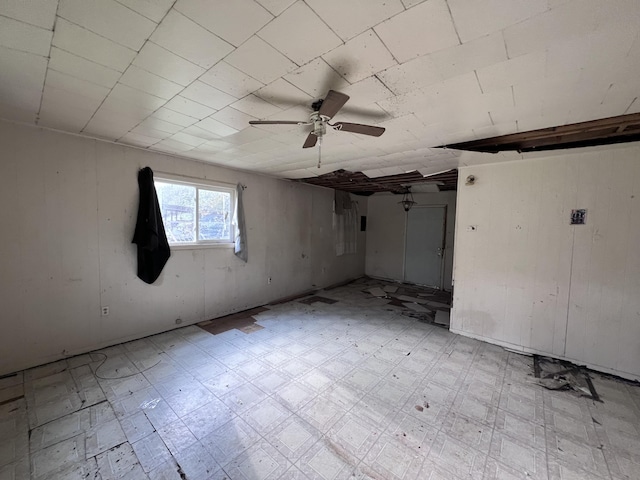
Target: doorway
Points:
x,y
425,245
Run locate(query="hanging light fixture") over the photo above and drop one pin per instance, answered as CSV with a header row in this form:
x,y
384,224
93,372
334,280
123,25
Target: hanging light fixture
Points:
x,y
407,199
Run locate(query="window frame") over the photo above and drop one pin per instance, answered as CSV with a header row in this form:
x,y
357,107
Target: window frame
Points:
x,y
205,185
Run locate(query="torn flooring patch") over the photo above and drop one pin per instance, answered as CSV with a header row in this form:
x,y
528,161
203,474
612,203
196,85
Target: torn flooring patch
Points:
x,y
562,375
242,321
317,298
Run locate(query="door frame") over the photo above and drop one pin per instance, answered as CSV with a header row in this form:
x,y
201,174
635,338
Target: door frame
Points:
x,y
444,245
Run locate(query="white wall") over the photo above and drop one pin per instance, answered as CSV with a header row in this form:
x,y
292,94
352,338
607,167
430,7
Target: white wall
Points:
x,y
529,280
68,211
386,227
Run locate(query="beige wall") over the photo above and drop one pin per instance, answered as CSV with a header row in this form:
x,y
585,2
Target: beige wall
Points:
x,y
527,279
68,212
386,227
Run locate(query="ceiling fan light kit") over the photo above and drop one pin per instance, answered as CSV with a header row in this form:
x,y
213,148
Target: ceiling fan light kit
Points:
x,y
323,111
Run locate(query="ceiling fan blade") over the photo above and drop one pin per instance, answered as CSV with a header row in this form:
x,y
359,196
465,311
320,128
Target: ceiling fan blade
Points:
x,y
332,103
277,122
359,128
310,141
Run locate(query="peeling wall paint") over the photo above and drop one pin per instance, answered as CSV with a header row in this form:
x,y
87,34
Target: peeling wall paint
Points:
x,y
527,279
69,211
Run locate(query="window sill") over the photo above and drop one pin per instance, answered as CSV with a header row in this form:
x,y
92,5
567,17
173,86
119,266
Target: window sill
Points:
x,y
198,246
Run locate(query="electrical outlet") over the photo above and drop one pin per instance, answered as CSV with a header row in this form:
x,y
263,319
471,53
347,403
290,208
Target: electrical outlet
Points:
x,y
105,311
269,280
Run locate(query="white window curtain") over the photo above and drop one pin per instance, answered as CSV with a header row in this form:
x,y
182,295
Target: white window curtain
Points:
x,y
345,224
240,249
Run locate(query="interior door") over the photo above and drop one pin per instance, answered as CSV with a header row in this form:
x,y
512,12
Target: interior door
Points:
x,y
424,249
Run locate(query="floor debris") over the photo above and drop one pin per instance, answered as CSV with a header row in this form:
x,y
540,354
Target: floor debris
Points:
x,y
407,298
556,374
243,321
316,298
390,289
416,308
442,318
377,292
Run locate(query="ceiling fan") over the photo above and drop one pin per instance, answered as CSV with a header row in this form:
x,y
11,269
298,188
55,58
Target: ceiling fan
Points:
x,y
323,111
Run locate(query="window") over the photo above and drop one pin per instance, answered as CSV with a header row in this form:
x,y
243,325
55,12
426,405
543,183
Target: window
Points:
x,y
195,213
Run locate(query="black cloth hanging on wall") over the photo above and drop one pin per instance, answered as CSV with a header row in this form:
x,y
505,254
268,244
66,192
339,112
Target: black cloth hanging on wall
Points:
x,y
153,247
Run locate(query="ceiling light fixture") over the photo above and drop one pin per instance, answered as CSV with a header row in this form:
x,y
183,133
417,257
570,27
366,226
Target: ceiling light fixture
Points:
x,y
407,200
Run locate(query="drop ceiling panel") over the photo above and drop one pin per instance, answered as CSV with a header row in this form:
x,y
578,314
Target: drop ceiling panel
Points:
x,y
307,77
230,80
260,60
148,82
155,59
24,37
300,34
216,127
233,21
187,39
423,29
188,107
76,86
207,95
361,57
22,79
284,95
349,19
109,19
41,13
174,117
256,107
81,68
476,19
154,10
233,118
276,7
513,71
88,45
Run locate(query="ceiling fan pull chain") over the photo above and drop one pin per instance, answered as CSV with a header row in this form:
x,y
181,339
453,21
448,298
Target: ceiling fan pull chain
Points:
x,y
319,151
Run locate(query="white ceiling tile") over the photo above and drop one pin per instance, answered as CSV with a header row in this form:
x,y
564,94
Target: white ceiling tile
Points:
x,y
230,80
24,37
15,113
152,9
109,19
21,79
126,94
115,110
276,7
148,82
366,92
411,3
423,29
189,107
216,127
348,19
233,118
513,71
155,59
54,99
160,125
41,13
83,69
475,19
316,78
360,57
147,131
255,106
75,86
207,95
189,40
300,34
284,95
214,146
247,135
69,120
201,133
260,60
174,117
411,75
90,46
232,21
553,26
188,139
110,130
171,146
137,140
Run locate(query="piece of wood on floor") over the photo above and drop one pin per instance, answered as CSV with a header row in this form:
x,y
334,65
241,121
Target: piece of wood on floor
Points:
x,y
390,289
377,292
407,298
442,318
426,294
415,307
